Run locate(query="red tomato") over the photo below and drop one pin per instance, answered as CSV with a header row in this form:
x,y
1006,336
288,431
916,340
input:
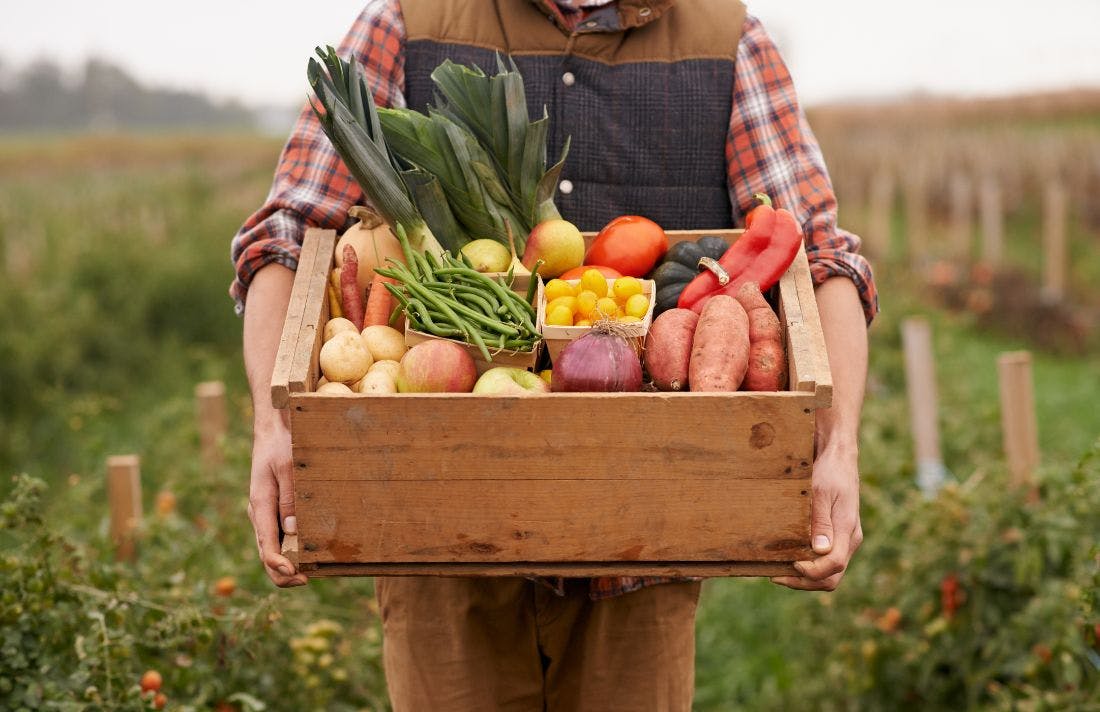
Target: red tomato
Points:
x,y
151,681
630,244
576,272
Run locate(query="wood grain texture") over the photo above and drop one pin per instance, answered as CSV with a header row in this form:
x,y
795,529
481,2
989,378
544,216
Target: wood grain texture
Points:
x,y
811,319
124,500
604,436
303,364
553,520
570,569
292,324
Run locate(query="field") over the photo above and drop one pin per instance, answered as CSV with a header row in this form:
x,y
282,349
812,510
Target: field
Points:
x,y
114,306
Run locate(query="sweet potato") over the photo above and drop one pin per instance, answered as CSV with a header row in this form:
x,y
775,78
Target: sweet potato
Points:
x,y
349,287
668,348
720,347
767,361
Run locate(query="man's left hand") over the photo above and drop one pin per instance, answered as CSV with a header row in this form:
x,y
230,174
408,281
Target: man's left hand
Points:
x,y
835,530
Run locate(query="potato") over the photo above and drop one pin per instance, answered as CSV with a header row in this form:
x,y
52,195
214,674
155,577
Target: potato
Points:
x,y
335,326
379,381
334,388
345,357
390,367
720,347
668,348
385,342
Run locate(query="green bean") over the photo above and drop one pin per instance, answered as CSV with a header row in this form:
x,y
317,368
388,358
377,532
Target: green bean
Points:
x,y
460,308
429,324
505,295
533,284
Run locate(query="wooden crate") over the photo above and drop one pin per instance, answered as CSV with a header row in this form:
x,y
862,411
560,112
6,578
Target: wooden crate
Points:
x,y
569,484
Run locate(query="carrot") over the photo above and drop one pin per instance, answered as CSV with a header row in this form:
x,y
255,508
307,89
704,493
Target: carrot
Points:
x,y
334,308
379,302
349,288
767,360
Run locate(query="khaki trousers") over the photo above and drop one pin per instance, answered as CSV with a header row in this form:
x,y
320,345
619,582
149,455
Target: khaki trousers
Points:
x,y
457,644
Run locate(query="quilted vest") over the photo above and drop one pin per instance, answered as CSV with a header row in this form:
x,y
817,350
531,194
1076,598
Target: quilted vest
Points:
x,y
644,88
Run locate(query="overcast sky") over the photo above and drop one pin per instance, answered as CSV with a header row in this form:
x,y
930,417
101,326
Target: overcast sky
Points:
x,y
257,51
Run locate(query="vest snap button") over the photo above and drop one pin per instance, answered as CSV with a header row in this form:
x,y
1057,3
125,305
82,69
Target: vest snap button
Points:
x,y
568,79
566,187
644,12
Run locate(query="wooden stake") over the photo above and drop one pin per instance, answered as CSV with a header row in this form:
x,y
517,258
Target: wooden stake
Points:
x,y
920,381
210,411
961,210
1054,242
881,208
1018,423
916,216
992,219
124,499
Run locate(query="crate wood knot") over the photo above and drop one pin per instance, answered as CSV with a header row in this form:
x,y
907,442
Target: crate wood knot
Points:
x,y
763,435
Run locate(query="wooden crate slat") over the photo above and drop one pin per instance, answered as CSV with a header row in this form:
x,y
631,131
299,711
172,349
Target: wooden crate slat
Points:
x,y
574,520
807,300
580,569
292,325
582,435
302,373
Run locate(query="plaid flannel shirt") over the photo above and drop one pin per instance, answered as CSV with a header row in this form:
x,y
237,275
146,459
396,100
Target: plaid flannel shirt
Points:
x,y
769,149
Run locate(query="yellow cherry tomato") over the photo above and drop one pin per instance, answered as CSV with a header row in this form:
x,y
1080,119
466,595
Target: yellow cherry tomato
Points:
x,y
569,302
626,287
558,288
606,308
627,319
586,303
559,316
637,305
594,281
546,374
582,322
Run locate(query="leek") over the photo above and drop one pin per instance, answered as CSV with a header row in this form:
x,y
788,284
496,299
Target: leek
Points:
x,y
349,118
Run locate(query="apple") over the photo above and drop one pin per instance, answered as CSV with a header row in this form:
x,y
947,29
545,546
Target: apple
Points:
x,y
558,243
510,381
488,255
436,366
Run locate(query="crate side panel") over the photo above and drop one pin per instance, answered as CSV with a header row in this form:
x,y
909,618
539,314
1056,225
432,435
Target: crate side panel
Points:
x,y
648,436
548,520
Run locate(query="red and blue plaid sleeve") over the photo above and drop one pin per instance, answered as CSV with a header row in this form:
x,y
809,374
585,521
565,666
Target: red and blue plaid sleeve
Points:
x,y
312,187
771,149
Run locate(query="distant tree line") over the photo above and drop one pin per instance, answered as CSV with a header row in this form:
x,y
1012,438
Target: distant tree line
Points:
x,y
103,97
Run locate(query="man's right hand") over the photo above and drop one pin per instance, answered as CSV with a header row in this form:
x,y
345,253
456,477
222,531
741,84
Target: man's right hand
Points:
x,y
271,500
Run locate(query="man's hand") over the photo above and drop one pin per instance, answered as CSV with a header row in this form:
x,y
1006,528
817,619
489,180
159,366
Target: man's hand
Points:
x,y
271,490
835,530
271,500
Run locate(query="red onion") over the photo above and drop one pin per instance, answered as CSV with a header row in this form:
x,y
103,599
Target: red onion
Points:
x,y
600,361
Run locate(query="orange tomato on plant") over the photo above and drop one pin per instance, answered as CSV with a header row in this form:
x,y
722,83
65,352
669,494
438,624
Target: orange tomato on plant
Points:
x,y
630,244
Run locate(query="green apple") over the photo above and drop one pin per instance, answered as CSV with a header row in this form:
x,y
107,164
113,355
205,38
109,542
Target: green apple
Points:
x,y
488,255
510,381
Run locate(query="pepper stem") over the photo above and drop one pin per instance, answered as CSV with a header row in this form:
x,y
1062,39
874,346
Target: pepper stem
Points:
x,y
763,199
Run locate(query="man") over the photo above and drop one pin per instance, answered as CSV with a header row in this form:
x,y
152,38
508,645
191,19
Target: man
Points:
x,y
679,111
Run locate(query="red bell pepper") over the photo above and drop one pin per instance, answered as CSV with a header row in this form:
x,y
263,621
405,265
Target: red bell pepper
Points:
x,y
762,254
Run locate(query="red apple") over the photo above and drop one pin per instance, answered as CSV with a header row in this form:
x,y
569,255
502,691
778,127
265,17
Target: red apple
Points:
x,y
510,381
436,366
558,243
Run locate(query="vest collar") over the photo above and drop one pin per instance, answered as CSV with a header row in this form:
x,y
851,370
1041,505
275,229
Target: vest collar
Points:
x,y
623,15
